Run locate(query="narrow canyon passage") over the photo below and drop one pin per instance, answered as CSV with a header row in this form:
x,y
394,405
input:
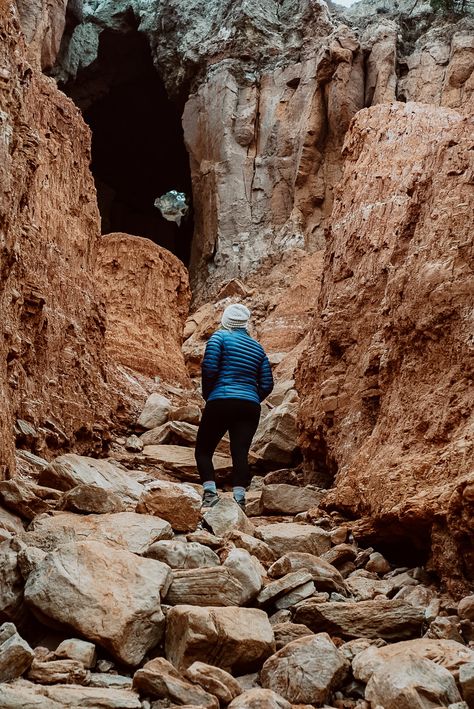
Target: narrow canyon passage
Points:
x,y
138,151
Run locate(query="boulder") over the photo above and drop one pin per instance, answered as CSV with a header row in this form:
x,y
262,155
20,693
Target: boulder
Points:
x,y
110,596
378,564
284,537
177,503
15,654
287,632
226,516
306,670
448,653
276,436
11,586
362,588
158,678
254,546
70,470
181,462
90,499
466,608
289,500
183,555
175,432
26,498
10,524
188,413
283,585
386,619
23,694
155,412
76,649
259,699
236,639
325,576
411,682
214,680
234,583
466,681
128,530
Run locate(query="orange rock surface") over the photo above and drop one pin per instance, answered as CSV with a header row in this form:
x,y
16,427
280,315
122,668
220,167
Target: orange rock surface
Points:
x,y
386,380
147,296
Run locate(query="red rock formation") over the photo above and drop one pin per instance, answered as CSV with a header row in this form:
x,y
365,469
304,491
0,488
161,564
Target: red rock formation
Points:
x,y
385,382
147,296
43,26
53,370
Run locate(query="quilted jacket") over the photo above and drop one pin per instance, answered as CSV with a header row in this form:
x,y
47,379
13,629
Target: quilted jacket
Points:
x,y
235,366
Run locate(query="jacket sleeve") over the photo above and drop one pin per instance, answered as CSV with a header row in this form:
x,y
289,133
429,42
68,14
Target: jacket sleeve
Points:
x,y
211,363
265,378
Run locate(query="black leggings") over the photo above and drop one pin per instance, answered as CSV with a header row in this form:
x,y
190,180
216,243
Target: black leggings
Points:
x,y
240,418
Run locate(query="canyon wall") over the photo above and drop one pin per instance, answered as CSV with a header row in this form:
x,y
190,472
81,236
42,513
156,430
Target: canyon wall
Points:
x,y
52,325
385,384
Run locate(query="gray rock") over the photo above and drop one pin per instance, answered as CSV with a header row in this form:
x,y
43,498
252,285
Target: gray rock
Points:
x,y
288,600
283,585
182,555
155,412
466,680
227,516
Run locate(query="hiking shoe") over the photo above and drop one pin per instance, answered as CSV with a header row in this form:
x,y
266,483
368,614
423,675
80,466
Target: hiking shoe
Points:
x,y
241,504
209,498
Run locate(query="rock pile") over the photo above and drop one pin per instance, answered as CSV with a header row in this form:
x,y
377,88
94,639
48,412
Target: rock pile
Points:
x,y
147,603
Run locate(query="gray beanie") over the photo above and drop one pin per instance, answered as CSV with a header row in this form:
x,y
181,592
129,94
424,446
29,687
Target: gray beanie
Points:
x,y
235,316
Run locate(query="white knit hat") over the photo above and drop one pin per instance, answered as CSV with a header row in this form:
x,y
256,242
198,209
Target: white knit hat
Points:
x,y
235,316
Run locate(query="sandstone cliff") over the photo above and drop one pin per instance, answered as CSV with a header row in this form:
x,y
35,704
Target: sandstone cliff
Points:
x,y
385,383
270,89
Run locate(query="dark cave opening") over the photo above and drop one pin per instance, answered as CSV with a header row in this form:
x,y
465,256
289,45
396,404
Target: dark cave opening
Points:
x,y
138,150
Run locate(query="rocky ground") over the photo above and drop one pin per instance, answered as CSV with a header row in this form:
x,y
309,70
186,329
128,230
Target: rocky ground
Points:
x,y
117,592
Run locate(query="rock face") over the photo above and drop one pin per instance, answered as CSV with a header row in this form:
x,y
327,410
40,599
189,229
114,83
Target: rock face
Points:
x,y
42,25
146,291
53,366
384,389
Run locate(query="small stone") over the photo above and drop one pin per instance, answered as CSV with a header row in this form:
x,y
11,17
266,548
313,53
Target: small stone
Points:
x,y
76,649
378,564
259,699
466,608
134,444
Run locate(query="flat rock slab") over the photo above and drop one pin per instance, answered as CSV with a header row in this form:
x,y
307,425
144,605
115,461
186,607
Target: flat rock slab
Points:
x,y
325,576
177,503
128,530
305,670
70,470
448,653
283,537
236,639
58,672
22,694
387,619
283,585
158,678
289,499
111,597
180,460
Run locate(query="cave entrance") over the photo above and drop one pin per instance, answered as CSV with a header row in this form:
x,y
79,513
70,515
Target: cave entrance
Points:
x,y
138,150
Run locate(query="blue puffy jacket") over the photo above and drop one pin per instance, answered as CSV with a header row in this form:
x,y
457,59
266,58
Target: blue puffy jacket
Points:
x,y
235,366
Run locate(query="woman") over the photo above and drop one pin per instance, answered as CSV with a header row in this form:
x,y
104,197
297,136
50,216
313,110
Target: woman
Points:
x,y
236,377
